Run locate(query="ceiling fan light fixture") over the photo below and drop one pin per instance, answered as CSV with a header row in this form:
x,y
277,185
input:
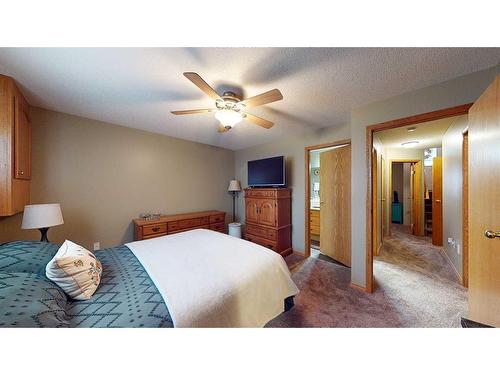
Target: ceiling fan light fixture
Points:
x,y
228,117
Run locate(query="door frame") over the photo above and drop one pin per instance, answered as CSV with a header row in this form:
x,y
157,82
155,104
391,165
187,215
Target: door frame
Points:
x,y
307,194
401,122
419,213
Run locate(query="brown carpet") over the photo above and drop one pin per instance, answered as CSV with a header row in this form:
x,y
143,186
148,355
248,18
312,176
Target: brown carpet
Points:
x,y
415,287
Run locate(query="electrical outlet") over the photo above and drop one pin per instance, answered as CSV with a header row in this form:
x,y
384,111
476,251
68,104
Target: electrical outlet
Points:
x,y
97,246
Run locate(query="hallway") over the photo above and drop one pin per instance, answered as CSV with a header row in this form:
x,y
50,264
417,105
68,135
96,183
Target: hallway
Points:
x,y
416,287
418,274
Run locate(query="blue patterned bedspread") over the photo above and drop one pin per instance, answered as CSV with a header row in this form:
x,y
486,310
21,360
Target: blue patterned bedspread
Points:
x,y
126,296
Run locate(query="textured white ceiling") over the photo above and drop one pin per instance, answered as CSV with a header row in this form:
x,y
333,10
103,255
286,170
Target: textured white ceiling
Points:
x,y
138,87
428,134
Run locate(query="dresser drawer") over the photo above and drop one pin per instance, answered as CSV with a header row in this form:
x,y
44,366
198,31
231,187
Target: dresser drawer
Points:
x,y
255,230
188,223
261,193
154,229
219,227
261,241
206,226
154,236
217,218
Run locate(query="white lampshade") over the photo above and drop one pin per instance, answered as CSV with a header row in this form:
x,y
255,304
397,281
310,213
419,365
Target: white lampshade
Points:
x,y
42,216
234,185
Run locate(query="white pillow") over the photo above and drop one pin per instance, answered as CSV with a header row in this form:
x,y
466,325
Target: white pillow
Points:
x,y
75,270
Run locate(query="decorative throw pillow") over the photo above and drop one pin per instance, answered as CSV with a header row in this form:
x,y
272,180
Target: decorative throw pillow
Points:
x,y
75,270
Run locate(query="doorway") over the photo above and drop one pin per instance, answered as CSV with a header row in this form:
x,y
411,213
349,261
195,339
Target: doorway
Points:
x,y
406,194
406,126
327,201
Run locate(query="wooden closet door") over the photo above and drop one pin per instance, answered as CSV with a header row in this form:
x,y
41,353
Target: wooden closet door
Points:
x,y
267,212
437,201
335,204
484,207
22,140
252,210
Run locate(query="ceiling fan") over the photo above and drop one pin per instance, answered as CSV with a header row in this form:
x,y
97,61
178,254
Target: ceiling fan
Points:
x,y
229,109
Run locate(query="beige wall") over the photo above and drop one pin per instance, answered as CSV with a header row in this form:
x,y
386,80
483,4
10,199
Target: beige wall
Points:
x,y
293,149
105,175
452,191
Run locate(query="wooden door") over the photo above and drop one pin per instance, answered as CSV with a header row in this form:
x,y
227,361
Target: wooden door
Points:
x,y
417,196
383,210
251,210
413,205
484,207
375,200
465,210
335,204
22,140
437,199
267,212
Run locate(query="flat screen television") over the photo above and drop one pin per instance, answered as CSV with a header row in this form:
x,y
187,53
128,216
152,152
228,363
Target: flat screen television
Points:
x,y
266,172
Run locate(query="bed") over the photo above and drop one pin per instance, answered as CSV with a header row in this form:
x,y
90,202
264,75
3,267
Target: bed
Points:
x,y
199,278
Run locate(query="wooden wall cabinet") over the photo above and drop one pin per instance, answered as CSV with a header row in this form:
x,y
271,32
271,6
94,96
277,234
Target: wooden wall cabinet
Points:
x,y
15,148
268,220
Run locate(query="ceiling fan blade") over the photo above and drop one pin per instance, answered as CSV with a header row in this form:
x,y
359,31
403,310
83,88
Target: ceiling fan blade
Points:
x,y
265,98
221,128
198,81
259,121
192,111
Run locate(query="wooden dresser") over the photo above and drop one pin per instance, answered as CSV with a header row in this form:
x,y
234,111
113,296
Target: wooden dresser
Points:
x,y
145,229
268,220
15,148
314,220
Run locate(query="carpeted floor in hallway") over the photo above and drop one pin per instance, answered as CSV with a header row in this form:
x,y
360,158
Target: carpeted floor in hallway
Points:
x,y
415,287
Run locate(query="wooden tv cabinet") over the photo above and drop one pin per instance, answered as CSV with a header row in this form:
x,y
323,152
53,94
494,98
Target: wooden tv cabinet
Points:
x,y
268,220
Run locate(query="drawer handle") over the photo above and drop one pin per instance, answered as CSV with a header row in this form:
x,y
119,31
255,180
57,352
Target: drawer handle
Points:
x,y
155,229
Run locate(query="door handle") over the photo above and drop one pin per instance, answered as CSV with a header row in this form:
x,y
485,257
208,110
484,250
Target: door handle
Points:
x,y
438,200
322,202
491,234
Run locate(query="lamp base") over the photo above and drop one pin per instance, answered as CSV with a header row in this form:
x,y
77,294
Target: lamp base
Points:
x,y
44,231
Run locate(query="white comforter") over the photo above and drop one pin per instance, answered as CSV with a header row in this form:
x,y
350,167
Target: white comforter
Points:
x,y
209,279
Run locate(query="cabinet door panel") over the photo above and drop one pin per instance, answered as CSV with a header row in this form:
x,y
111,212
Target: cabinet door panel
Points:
x,y
267,212
22,141
251,210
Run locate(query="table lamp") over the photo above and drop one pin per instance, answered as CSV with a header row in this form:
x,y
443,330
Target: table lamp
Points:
x,y
234,188
42,217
